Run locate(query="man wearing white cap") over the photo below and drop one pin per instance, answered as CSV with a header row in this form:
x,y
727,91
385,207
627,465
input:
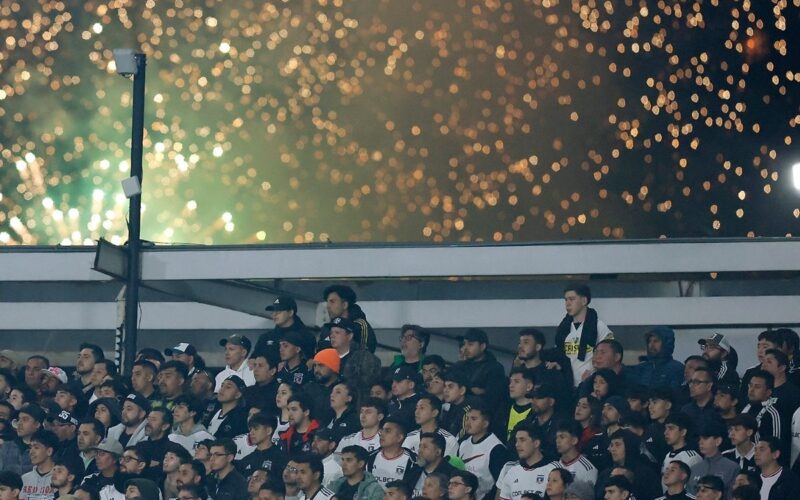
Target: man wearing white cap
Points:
x,y
187,354
52,379
722,358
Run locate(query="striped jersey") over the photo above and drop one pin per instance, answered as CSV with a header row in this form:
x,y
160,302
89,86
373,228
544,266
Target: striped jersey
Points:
x,y
386,470
451,443
581,468
517,479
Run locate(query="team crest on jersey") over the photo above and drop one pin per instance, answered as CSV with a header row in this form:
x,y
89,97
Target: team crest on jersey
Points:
x,y
400,470
540,479
266,464
298,378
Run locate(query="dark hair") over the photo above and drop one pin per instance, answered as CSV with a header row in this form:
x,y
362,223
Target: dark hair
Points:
x,y
314,463
684,468
198,468
361,454
531,430
580,289
773,443
179,366
435,359
435,402
400,485
345,292
46,438
399,422
261,419
97,352
620,482
422,334
753,477
376,403
780,357
11,380
111,366
179,451
481,407
150,353
746,491
537,335
766,376
709,373
527,373
275,487
227,444
790,339
596,407
42,358
196,490
773,336
696,357
566,476
442,479
570,426
148,365
436,438
271,358
164,411
470,479
97,426
301,399
615,346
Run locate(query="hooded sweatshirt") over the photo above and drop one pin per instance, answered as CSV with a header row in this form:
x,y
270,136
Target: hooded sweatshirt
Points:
x,y
722,467
646,484
364,334
190,440
661,370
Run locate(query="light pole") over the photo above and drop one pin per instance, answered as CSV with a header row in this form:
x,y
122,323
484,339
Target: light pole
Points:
x,y
133,64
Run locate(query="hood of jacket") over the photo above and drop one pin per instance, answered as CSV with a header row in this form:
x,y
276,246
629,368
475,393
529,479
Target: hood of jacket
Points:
x,y
667,336
355,312
197,428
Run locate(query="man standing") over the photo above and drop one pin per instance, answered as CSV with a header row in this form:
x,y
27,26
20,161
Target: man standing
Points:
x,y
658,368
88,355
340,302
529,354
36,483
237,348
485,375
356,482
131,429
285,318
580,331
231,419
226,483
483,453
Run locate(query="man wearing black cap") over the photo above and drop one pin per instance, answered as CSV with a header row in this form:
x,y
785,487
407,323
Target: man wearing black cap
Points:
x,y
187,354
131,428
340,301
237,349
543,401
323,446
14,454
342,332
231,419
713,463
294,370
486,375
10,485
65,426
285,318
406,385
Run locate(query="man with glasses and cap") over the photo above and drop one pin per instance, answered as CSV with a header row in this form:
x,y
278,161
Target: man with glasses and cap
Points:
x,y
285,318
231,419
65,426
237,349
722,358
108,453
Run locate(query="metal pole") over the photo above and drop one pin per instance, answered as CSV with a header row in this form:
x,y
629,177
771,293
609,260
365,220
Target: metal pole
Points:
x,y
134,224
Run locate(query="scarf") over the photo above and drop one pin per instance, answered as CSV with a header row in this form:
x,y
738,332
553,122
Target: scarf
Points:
x,y
588,334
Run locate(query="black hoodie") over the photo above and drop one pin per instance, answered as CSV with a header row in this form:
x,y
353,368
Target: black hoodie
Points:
x,y
270,341
647,483
365,333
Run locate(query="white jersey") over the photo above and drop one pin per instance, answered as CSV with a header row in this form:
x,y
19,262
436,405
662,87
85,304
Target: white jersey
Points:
x,y
331,470
685,455
280,427
243,446
359,439
323,494
572,343
451,443
795,436
244,372
386,470
190,442
516,480
477,459
36,486
580,468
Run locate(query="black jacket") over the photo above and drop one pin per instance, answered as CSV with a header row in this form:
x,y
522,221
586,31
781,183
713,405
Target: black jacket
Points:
x,y
364,335
233,487
786,487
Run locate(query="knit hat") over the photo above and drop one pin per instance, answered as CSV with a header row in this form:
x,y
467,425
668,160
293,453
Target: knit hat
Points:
x,y
329,358
579,490
620,404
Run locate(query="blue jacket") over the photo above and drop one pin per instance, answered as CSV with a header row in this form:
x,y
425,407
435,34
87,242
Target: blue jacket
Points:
x,y
661,370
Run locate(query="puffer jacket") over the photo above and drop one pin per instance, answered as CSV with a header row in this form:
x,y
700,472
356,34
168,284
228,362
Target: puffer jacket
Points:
x,y
661,370
368,489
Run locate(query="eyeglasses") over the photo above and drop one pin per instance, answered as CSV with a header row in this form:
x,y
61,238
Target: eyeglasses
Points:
x,y
456,483
291,469
408,336
698,382
131,459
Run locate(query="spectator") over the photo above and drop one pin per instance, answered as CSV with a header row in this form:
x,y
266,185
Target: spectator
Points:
x,y
36,484
527,475
777,482
676,434
529,355
255,481
131,429
436,385
710,488
295,370
174,456
172,377
624,452
768,339
521,382
356,482
726,402
580,331
103,370
187,354
302,427
143,381
285,318
327,366
485,375
269,491
742,431
413,343
90,434
722,358
544,403
65,427
435,487
293,491
615,409
10,485
340,301
231,418
67,473
14,454
690,364
608,355
658,368
101,483
432,365
558,480
187,430
191,474
88,356
310,475
593,445
603,383
237,349
227,483
659,407
323,446
568,434
135,461
482,452
392,462
463,485
406,389
397,490
759,394
371,413
675,476
265,370
785,395
157,429
431,460
107,411
266,455
701,409
426,416
713,463
618,488
52,379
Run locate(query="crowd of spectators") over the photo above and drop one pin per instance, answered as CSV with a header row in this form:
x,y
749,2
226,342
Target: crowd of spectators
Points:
x,y
310,414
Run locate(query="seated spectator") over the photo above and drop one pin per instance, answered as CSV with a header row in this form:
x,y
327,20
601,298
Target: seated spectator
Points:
x,y
88,355
742,431
14,454
593,445
777,482
624,452
521,383
618,488
431,459
226,482
608,355
102,483
356,482
107,411
785,395
266,455
187,430
327,374
722,358
677,436
143,381
482,452
426,416
544,405
295,369
701,409
435,487
458,401
604,383
187,354
237,350
713,463
231,419
406,391
462,485
431,366
397,490
370,416
568,434
690,364
759,394
10,484
67,474
310,475
413,343
658,368
557,483
392,462
659,407
345,420
323,446
485,375
175,456
528,475
285,317
675,476
726,402
172,377
711,488
302,427
36,484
